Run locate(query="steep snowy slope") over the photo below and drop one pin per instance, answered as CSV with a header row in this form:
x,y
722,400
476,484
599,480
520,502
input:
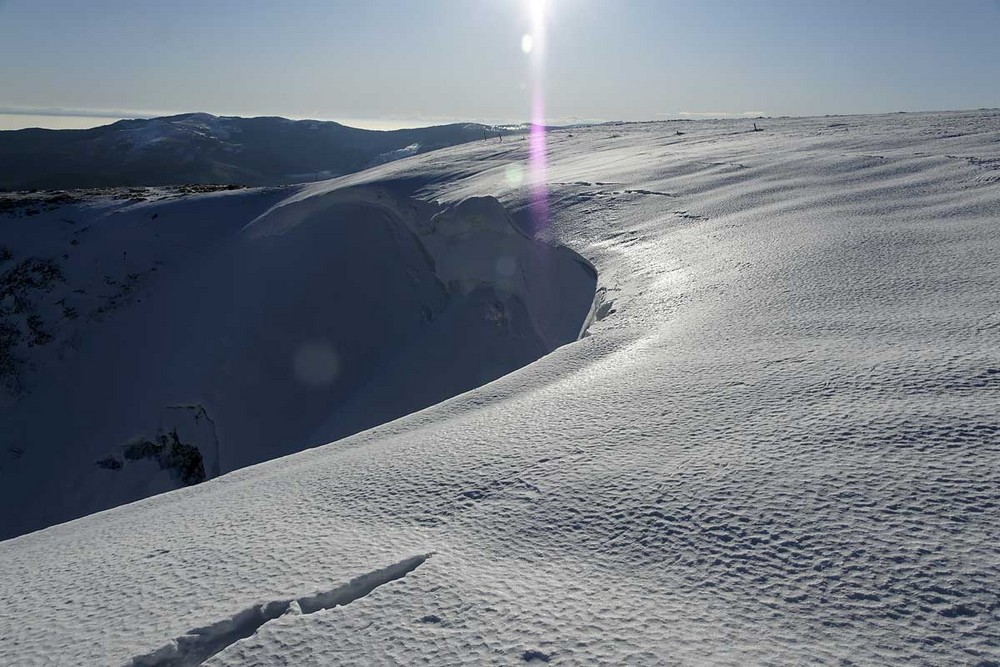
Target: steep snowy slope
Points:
x,y
779,442
180,339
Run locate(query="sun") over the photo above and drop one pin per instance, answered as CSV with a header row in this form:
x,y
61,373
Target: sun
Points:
x,y
537,6
532,41
537,10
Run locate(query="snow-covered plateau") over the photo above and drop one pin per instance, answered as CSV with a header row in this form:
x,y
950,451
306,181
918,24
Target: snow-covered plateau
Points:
x,y
753,415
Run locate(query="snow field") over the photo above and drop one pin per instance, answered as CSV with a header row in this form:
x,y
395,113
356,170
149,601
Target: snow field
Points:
x,y
777,443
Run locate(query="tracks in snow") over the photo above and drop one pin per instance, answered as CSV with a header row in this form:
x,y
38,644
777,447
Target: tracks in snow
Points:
x,y
198,645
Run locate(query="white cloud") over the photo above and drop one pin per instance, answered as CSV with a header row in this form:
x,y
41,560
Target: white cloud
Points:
x,y
88,113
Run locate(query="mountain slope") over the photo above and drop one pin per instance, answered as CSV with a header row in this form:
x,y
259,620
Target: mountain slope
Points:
x,y
181,339
777,444
202,148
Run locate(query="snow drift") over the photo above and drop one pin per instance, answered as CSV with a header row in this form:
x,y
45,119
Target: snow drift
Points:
x,y
777,443
238,338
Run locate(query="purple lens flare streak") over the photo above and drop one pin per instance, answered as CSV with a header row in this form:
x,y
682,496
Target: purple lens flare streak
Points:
x,y
537,149
539,183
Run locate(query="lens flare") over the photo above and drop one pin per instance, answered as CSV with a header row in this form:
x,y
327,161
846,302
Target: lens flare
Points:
x,y
537,9
537,159
316,364
514,173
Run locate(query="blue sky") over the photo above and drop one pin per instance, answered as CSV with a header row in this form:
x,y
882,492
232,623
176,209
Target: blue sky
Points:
x,y
392,62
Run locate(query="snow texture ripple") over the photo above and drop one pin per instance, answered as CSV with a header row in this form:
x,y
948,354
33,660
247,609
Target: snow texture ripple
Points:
x,y
778,442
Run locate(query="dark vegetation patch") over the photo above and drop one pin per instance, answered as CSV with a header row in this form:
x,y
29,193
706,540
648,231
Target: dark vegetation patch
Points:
x,y
198,188
184,462
32,202
110,463
21,288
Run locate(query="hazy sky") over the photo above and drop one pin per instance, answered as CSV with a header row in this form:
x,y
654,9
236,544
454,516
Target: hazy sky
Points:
x,y
393,62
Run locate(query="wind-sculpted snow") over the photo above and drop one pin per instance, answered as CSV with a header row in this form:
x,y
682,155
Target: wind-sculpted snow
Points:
x,y
212,333
778,442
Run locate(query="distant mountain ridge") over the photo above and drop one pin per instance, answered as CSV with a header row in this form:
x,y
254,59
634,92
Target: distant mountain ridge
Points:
x,y
202,148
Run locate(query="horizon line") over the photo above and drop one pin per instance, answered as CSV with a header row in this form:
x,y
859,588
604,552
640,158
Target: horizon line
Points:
x,y
389,124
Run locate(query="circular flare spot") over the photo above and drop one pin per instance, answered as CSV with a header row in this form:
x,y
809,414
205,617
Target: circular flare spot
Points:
x,y
527,43
316,364
506,266
514,174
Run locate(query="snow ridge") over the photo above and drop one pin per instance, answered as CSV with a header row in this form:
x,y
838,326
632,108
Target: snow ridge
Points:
x,y
198,645
330,309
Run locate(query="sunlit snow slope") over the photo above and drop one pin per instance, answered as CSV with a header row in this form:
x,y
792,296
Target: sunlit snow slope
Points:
x,y
779,442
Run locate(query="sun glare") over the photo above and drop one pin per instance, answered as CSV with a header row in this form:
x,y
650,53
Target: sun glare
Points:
x,y
537,8
536,11
533,45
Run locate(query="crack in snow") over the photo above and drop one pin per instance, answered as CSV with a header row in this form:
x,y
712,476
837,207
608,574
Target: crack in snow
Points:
x,y
199,644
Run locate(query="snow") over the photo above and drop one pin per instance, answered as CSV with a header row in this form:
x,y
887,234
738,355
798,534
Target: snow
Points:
x,y
776,443
254,328
397,154
144,133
